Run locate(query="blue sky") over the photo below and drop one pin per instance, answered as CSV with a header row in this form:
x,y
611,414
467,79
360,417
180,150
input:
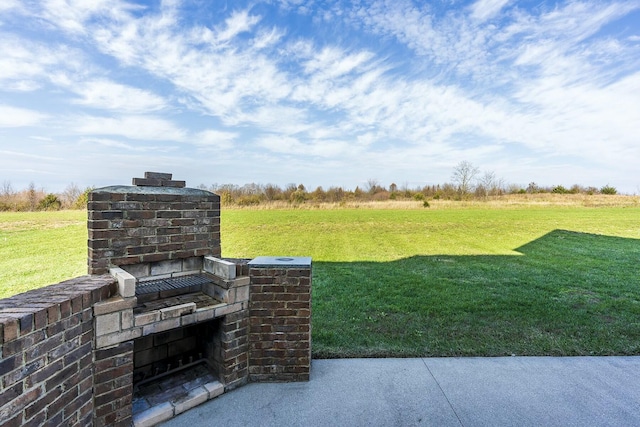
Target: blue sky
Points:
x,y
319,92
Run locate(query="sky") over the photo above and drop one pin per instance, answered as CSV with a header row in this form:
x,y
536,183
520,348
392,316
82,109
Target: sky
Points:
x,y
320,93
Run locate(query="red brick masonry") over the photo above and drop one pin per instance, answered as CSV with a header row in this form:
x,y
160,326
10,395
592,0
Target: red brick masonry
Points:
x,y
53,372
47,370
143,225
279,321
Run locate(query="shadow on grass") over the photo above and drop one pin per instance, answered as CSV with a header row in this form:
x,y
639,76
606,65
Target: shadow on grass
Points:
x,y
569,294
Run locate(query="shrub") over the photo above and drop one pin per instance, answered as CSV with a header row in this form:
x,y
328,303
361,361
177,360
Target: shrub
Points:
x,y
426,204
249,200
298,196
226,198
559,189
82,199
50,203
607,189
591,190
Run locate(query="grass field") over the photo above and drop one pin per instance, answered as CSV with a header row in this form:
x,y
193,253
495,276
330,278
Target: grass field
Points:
x,y
454,280
41,248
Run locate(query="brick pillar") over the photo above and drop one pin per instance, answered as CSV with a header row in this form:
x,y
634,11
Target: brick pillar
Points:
x,y
232,351
280,319
113,385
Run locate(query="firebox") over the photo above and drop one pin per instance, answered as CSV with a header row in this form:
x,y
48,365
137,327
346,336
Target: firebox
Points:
x,y
159,355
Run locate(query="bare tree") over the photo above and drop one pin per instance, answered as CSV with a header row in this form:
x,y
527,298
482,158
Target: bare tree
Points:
x,y
32,196
70,195
7,189
373,186
463,175
272,191
489,185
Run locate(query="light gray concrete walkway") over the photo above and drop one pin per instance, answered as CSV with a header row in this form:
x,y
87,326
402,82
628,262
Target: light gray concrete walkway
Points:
x,y
505,391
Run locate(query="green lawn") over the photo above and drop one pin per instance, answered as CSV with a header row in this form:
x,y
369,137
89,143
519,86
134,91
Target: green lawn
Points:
x,y
473,282
41,248
458,281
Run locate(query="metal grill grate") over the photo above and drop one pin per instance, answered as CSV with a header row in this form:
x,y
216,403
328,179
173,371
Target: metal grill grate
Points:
x,y
170,284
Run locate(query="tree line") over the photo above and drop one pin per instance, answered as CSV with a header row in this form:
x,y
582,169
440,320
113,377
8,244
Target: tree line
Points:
x,y
34,199
256,194
467,183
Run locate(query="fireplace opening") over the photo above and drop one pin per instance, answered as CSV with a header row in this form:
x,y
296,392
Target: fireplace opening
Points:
x,y
170,365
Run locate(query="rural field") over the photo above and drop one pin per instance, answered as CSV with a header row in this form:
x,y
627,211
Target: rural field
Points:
x,y
527,277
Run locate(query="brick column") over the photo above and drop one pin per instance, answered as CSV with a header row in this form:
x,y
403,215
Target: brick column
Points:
x,y
232,351
280,319
113,385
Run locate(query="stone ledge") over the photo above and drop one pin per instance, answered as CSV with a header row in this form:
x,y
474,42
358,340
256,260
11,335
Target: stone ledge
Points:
x,y
118,337
161,326
147,318
164,411
177,310
214,389
153,415
193,399
114,304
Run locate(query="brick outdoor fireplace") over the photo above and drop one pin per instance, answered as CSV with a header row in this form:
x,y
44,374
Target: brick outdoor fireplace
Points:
x,y
163,322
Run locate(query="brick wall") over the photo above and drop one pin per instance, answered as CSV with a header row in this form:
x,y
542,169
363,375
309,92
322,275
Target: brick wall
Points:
x,y
279,321
46,353
232,354
58,368
113,386
142,226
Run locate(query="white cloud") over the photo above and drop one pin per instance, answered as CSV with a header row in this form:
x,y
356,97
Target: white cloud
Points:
x,y
112,143
27,66
239,22
132,127
294,147
23,64
7,5
571,118
114,96
72,15
331,62
476,82
267,38
223,79
482,10
19,117
22,155
212,138
277,118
